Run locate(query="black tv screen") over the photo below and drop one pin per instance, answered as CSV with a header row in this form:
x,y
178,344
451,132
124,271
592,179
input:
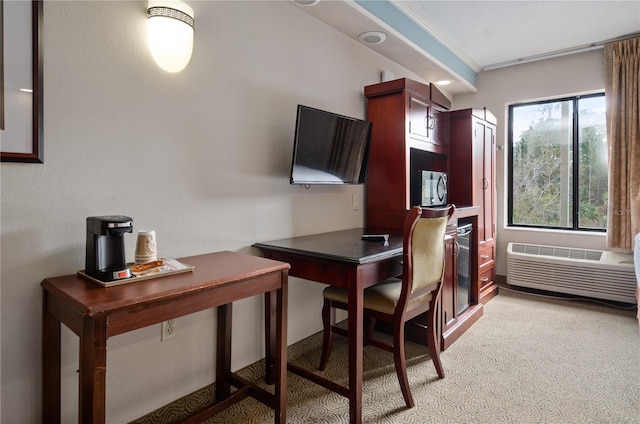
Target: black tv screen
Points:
x,y
329,148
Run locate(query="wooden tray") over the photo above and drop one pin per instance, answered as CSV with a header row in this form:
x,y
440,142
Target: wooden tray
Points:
x,y
170,267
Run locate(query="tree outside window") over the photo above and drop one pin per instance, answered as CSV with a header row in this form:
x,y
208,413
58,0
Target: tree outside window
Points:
x,y
558,173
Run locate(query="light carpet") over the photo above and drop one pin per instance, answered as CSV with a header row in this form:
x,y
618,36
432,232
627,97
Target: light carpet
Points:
x,y
529,359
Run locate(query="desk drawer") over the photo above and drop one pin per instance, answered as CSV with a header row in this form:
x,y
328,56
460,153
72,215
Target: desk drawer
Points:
x,y
487,277
486,256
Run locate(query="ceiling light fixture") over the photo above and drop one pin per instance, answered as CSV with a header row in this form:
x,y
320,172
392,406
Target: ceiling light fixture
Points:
x,y
443,82
372,37
170,31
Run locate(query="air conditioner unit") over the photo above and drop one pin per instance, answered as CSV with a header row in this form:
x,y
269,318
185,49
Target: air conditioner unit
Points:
x,y
589,273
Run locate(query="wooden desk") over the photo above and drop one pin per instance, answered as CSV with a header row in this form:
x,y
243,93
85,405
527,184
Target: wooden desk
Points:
x,y
95,313
341,259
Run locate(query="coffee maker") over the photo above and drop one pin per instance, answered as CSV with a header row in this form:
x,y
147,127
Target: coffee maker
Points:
x,y
105,258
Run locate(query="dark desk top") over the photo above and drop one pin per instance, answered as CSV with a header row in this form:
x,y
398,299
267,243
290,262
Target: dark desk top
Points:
x,y
344,245
347,245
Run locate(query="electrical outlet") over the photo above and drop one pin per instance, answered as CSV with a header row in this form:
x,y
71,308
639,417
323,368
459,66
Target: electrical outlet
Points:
x,y
168,329
355,202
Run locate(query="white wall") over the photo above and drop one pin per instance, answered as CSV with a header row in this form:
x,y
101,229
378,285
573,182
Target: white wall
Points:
x,y
568,75
202,157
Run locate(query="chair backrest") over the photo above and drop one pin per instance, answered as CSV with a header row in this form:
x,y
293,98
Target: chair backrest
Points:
x,y
424,250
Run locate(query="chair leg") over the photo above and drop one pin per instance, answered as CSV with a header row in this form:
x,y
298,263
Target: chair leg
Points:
x,y
328,320
433,341
401,363
368,331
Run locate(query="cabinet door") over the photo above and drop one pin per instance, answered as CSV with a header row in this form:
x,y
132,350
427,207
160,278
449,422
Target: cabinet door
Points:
x,y
488,203
418,117
478,181
438,126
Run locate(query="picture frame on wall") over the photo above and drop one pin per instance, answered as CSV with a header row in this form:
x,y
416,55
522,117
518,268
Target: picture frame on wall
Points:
x,y
21,136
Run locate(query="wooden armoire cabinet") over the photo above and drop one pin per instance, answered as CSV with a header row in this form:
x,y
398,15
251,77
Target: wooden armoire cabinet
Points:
x,y
409,135
472,134
412,132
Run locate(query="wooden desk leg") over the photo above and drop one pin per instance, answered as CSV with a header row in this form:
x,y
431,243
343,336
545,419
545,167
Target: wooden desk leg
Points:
x,y
93,369
51,375
223,352
355,321
270,342
280,356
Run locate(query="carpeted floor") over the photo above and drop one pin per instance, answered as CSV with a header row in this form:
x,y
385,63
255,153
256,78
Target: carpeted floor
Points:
x,y
529,359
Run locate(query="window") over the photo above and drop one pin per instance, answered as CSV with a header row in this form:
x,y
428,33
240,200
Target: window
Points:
x,y
558,172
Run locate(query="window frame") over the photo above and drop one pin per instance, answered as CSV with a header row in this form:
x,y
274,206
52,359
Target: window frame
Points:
x,y
575,164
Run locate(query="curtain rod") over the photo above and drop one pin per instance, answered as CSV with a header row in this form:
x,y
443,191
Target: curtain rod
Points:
x,y
559,53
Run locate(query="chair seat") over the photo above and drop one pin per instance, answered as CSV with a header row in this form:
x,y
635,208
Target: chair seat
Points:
x,y
382,297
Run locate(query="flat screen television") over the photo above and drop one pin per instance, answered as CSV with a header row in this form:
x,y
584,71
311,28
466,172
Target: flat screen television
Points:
x,y
329,148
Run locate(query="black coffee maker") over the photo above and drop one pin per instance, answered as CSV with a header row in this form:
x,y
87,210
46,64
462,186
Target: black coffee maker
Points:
x,y
105,259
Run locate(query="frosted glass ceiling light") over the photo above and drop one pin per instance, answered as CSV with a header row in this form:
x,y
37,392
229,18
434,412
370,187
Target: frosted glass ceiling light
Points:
x,y
170,30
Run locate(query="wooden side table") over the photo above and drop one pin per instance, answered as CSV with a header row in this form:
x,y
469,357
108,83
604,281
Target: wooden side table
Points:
x,y
95,313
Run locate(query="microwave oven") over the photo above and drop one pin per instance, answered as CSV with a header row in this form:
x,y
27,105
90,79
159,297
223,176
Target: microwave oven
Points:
x,y
434,188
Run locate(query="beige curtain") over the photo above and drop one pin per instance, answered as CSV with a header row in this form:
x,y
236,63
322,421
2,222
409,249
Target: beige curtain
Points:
x,y
622,92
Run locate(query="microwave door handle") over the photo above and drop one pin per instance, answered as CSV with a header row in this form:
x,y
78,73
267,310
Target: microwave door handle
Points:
x,y
434,191
441,188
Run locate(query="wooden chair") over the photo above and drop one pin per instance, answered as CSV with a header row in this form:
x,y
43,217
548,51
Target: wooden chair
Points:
x,y
397,300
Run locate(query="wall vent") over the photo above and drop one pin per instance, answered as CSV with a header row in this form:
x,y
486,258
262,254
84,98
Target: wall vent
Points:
x,y
589,273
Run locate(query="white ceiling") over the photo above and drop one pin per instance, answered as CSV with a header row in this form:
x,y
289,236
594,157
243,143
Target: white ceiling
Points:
x,y
482,34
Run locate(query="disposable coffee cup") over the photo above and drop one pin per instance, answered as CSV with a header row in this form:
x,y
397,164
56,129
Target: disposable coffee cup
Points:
x,y
146,248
